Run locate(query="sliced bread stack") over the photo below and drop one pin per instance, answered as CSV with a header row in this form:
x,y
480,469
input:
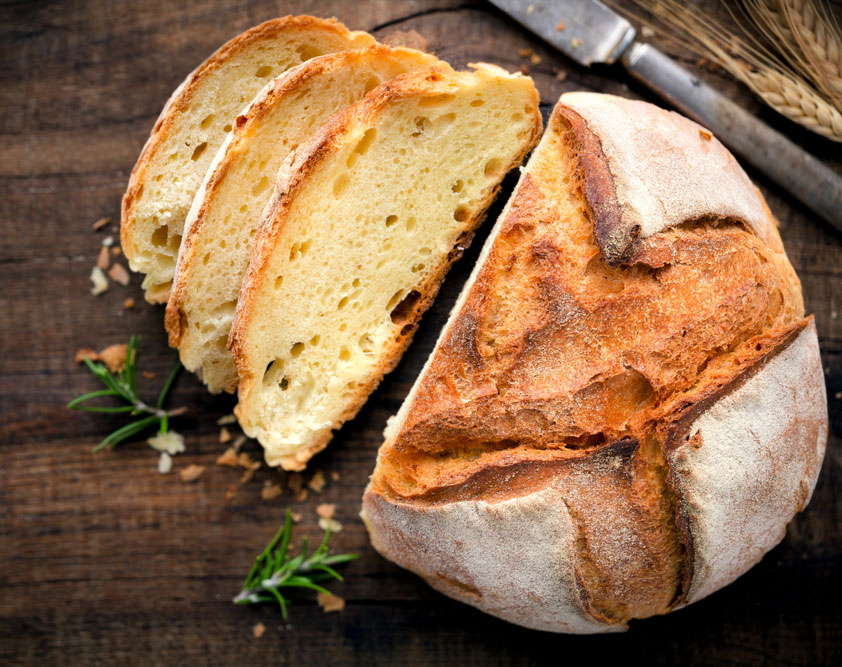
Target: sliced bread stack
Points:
x,y
320,211
227,209
193,125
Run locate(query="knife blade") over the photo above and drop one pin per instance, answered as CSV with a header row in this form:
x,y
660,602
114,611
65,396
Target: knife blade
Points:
x,y
589,32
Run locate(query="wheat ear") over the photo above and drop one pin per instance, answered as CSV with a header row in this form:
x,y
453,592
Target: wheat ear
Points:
x,y
758,68
820,39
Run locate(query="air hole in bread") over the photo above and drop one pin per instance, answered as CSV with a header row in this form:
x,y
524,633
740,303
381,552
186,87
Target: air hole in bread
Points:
x,y
340,184
206,122
296,349
278,282
315,340
366,344
284,383
159,237
457,186
422,124
344,354
244,208
493,167
273,369
307,51
260,186
391,220
356,282
477,102
197,152
371,84
263,71
410,223
418,267
403,310
436,100
206,258
364,143
227,127
342,303
446,118
460,214
516,117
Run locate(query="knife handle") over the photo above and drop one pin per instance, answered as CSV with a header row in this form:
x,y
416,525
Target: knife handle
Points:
x,y
768,151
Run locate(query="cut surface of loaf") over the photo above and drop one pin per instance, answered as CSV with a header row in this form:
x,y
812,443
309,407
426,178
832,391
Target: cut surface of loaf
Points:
x,y
369,215
193,125
225,214
615,422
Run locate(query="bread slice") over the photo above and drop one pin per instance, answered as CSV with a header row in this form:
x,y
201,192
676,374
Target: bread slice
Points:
x,y
626,406
193,125
224,217
371,212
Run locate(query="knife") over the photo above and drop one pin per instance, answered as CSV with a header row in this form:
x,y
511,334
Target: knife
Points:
x,y
589,32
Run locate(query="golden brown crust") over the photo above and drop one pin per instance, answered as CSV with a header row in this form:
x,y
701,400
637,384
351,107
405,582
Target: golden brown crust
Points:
x,y
562,348
181,98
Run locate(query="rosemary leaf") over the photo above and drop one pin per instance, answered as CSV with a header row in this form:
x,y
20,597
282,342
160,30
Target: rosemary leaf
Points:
x,y
123,385
274,569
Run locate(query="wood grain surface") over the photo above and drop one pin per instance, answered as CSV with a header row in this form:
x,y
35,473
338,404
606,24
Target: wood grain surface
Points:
x,y
103,560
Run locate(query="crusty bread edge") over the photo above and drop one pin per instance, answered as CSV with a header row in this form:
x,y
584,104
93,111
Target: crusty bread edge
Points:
x,y
291,178
184,92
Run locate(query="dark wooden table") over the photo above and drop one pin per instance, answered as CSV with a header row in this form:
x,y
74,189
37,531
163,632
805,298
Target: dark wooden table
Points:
x,y
103,560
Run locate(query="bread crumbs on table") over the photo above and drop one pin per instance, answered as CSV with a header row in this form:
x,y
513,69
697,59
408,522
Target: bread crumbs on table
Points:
x,y
149,375
114,357
524,69
228,458
128,304
224,435
231,493
246,476
103,259
119,274
330,602
334,475
332,524
576,42
245,462
535,59
99,224
191,473
295,516
561,75
115,251
525,53
226,420
301,496
317,481
239,442
326,510
258,630
270,491
561,26
99,281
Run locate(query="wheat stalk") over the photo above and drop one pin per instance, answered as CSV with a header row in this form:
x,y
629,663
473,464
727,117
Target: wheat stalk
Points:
x,y
820,39
795,100
757,67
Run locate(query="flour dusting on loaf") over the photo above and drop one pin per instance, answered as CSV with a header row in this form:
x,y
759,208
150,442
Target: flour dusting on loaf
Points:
x,y
632,318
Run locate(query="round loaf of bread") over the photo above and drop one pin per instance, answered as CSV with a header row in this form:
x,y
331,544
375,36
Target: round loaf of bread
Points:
x,y
627,405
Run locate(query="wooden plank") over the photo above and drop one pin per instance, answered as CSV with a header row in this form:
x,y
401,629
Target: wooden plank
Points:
x,y
105,560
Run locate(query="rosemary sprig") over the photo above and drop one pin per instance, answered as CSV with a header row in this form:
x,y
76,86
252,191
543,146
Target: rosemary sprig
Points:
x,y
123,385
274,569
